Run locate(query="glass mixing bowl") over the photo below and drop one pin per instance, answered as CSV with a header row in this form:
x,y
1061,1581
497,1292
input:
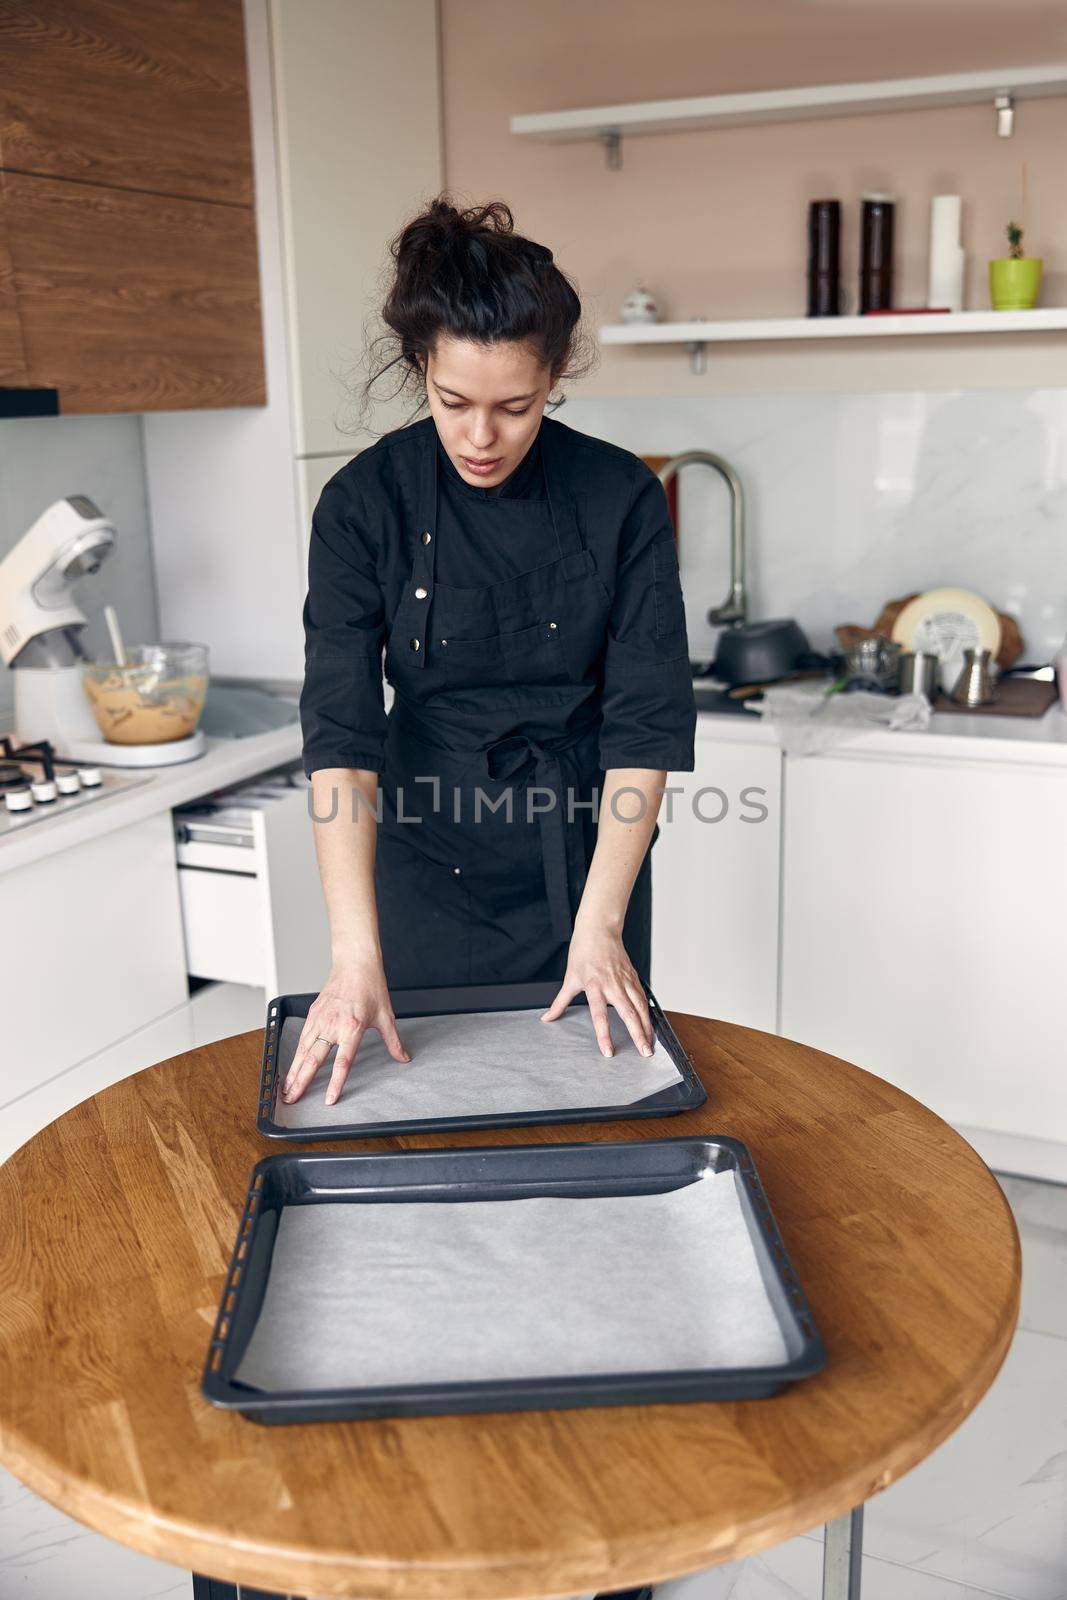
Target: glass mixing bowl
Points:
x,y
156,697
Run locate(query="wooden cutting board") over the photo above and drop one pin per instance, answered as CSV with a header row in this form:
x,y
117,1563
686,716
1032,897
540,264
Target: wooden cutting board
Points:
x,y
1016,697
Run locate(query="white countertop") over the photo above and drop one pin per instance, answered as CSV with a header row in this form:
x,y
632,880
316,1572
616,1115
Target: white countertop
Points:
x,y
1037,741
225,761
951,736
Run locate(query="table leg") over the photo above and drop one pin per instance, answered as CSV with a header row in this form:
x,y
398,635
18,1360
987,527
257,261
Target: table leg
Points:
x,y
843,1557
215,1589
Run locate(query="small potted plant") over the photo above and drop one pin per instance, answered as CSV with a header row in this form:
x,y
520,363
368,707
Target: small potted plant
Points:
x,y
1014,279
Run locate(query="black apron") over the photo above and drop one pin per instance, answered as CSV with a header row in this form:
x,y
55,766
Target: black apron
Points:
x,y
487,830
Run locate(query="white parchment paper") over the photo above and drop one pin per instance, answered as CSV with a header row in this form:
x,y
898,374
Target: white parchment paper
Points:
x,y
403,1292
475,1063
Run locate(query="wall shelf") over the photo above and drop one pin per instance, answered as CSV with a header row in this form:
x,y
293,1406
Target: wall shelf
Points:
x,y
609,123
697,334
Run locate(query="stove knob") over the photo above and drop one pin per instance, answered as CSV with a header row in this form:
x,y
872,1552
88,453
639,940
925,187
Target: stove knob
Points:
x,y
42,790
67,782
90,777
18,800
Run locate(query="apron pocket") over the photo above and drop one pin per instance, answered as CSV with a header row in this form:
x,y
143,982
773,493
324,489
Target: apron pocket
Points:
x,y
532,655
536,655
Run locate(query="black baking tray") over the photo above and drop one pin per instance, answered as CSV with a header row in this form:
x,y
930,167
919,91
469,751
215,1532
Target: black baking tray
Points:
x,y
642,1166
683,1096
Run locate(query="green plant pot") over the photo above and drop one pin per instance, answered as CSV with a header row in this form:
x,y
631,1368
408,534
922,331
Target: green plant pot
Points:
x,y
1013,284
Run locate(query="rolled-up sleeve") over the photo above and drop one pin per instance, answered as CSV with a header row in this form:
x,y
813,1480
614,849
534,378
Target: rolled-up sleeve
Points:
x,y
342,703
649,707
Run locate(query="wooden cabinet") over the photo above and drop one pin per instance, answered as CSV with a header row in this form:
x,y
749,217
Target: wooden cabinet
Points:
x,y
922,931
12,353
135,302
126,197
715,875
129,94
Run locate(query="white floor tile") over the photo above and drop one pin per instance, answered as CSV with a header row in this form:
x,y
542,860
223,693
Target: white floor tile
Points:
x,y
1041,1214
986,1513
45,1555
793,1571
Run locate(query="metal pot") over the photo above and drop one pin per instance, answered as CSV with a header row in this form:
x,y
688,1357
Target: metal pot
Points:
x,y
759,652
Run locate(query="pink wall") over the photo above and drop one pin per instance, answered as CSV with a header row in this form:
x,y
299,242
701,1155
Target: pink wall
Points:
x,y
714,221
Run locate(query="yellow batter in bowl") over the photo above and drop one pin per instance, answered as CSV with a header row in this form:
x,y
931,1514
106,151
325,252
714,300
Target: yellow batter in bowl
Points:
x,y
156,697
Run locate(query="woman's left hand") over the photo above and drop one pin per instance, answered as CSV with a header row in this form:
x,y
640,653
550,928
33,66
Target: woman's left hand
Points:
x,y
598,964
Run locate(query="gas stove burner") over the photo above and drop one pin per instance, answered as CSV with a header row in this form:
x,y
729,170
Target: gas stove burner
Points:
x,y
35,783
12,775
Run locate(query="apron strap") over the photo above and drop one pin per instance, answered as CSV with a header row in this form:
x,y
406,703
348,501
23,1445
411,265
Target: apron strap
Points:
x,y
518,755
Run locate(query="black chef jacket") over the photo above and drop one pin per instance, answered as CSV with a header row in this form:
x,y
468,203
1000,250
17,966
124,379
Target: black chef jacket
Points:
x,y
363,536
535,639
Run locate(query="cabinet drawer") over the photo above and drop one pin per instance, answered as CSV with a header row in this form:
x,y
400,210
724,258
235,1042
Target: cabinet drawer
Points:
x,y
226,925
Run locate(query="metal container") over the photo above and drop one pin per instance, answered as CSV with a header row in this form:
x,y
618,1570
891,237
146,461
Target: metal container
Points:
x,y
872,663
974,686
917,673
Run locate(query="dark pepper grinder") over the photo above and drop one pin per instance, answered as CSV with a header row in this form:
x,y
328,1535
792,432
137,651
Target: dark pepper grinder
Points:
x,y
876,253
824,258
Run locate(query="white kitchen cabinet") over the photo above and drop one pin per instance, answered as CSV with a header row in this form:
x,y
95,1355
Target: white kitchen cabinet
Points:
x,y
167,1036
91,952
715,872
253,911
923,931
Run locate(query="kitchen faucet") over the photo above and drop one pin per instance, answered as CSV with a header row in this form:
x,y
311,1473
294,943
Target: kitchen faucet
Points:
x,y
734,608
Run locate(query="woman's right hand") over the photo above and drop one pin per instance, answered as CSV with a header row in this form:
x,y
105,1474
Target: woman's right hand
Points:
x,y
353,999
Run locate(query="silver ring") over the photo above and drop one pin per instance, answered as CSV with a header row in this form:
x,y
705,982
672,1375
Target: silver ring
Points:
x,y
321,1040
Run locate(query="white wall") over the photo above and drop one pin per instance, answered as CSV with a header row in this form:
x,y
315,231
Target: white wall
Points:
x,y
42,459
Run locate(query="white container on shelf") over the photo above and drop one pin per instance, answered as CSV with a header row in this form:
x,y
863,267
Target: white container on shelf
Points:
x,y
946,254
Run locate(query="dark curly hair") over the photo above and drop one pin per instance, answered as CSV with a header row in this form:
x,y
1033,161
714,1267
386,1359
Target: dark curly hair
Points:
x,y
467,273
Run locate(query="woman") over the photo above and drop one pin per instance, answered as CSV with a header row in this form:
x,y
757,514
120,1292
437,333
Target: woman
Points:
x,y
524,580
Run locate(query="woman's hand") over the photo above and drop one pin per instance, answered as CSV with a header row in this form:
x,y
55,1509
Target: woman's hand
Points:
x,y
597,962
353,999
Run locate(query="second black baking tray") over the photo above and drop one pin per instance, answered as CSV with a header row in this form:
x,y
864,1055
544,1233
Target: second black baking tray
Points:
x,y
502,1278
465,1074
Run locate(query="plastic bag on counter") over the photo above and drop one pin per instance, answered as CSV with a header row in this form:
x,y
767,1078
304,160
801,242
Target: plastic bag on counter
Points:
x,y
807,719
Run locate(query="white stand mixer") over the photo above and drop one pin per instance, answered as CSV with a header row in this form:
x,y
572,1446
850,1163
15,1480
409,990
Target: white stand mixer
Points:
x,y
40,639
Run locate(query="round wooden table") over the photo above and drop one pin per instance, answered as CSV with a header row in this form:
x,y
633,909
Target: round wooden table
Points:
x,y
117,1224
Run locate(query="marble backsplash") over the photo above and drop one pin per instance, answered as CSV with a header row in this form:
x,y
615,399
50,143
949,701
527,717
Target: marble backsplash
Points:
x,y
854,499
851,500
